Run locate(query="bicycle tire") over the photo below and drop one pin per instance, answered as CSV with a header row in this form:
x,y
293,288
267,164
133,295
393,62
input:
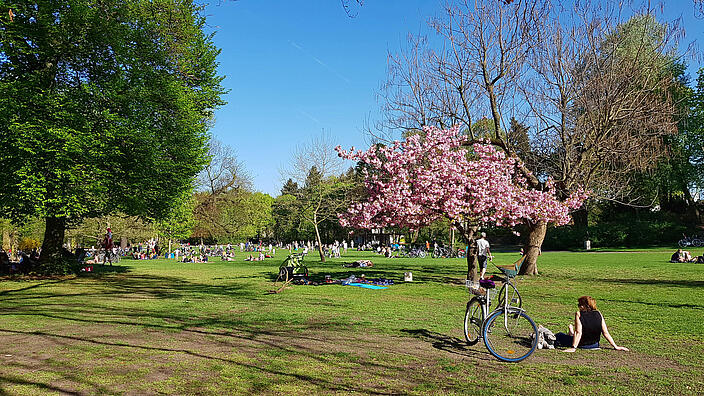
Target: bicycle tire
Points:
x,y
514,297
421,254
473,321
283,274
683,243
510,335
697,242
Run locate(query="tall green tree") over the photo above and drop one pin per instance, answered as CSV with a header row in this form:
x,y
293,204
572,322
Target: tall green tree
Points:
x,y
104,107
323,193
180,221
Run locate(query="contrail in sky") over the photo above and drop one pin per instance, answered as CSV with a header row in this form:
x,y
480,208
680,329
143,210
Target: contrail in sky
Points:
x,y
310,116
320,62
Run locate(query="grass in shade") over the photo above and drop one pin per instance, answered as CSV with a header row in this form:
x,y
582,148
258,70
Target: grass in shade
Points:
x,y
147,327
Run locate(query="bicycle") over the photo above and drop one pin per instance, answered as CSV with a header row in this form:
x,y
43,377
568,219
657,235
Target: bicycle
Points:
x,y
695,241
292,267
441,251
415,253
508,332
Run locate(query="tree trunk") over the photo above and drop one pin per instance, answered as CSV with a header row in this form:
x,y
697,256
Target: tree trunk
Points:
x,y
468,237
320,243
53,240
692,209
533,247
6,236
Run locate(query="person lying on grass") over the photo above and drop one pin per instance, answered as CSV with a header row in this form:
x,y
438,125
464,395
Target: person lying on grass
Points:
x,y
588,327
682,256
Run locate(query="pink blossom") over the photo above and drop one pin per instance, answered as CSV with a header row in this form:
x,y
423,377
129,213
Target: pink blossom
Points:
x,y
417,181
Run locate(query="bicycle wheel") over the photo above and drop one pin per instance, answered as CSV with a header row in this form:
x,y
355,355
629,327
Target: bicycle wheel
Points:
x,y
473,320
514,298
421,253
510,335
283,274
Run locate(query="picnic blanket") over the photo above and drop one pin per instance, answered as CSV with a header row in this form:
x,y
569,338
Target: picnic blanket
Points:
x,y
367,286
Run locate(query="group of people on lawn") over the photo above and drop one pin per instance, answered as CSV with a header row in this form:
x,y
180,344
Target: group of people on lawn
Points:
x,y
683,256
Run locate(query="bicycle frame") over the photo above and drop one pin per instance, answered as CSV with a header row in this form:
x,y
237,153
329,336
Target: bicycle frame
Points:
x,y
517,325
486,303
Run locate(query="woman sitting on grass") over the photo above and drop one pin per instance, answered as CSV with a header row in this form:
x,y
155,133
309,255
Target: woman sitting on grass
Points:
x,y
588,327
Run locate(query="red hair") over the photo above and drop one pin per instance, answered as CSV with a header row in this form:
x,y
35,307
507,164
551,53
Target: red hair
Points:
x,y
586,303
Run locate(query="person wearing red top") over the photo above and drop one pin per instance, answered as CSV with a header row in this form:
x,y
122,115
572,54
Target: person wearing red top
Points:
x,y
108,244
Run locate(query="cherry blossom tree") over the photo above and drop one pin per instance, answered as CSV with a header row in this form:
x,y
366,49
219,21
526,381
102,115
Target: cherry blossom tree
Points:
x,y
434,174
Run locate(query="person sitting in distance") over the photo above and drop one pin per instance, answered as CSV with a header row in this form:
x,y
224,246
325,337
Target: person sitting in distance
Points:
x,y
588,327
680,256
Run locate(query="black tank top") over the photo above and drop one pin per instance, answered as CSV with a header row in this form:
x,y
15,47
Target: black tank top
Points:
x,y
591,327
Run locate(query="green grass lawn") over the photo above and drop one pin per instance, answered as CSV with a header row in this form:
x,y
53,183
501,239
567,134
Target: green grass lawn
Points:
x,y
158,326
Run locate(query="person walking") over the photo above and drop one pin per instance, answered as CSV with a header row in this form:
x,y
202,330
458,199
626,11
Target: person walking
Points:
x,y
483,253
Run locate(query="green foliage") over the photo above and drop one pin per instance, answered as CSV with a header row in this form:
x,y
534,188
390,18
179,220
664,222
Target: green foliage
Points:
x,y
289,188
642,37
286,219
103,106
180,221
233,216
625,230
91,231
28,244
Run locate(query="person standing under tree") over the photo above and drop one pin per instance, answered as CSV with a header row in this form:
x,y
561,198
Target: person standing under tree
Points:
x,y
107,243
483,253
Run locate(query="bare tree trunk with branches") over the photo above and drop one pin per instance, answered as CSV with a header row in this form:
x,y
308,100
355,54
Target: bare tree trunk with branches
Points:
x,y
317,168
595,92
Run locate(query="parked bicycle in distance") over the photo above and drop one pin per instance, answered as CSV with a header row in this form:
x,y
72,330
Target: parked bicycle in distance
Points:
x,y
691,241
415,252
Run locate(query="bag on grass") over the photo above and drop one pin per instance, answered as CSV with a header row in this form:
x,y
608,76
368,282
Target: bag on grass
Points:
x,y
546,338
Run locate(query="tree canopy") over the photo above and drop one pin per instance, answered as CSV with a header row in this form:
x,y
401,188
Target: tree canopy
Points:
x,y
104,107
431,176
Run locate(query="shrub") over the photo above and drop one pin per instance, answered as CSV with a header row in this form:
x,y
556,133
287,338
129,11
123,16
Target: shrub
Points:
x,y
28,244
624,231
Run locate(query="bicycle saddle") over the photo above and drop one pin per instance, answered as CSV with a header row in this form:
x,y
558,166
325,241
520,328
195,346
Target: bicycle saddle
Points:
x,y
487,283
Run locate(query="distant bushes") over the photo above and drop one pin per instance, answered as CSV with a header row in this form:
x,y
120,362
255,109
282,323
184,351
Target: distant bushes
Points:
x,y
627,230
28,244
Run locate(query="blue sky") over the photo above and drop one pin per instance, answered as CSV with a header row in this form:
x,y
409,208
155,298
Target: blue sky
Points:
x,y
297,68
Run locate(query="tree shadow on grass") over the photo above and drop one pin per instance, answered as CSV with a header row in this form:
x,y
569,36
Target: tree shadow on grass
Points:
x,y
330,384
98,304
658,304
446,343
420,275
23,289
656,282
8,380
94,304
100,269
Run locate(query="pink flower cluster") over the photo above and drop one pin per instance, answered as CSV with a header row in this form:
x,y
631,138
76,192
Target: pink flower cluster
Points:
x,y
430,176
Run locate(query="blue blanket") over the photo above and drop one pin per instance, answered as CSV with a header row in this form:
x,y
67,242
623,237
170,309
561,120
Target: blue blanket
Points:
x,y
366,286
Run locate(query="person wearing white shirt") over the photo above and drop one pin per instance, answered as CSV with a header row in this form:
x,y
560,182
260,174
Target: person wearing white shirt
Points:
x,y
483,253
